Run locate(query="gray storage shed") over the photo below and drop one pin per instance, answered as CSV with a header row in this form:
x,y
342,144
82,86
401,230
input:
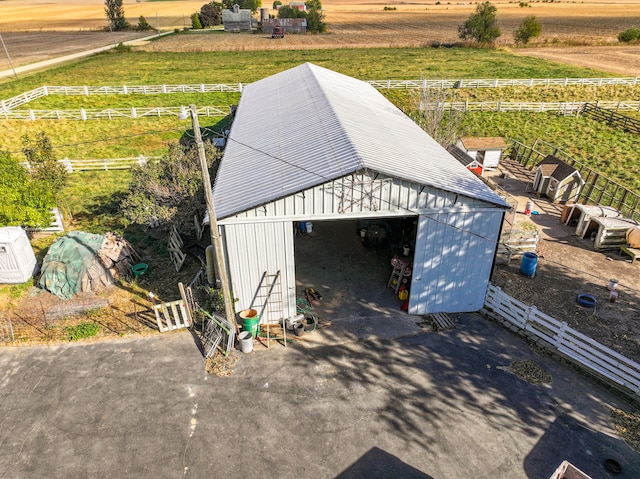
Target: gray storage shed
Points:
x,y
310,144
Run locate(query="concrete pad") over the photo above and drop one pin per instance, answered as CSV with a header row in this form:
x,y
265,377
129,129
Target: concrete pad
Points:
x,y
429,405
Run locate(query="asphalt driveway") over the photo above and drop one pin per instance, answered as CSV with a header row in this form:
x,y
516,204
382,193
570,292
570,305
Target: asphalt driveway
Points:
x,y
423,405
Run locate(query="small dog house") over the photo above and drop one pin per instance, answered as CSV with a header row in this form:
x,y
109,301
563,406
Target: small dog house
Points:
x,y
608,233
557,180
17,260
487,150
580,215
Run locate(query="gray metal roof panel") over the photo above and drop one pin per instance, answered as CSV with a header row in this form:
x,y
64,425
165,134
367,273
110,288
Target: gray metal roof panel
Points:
x,y
308,125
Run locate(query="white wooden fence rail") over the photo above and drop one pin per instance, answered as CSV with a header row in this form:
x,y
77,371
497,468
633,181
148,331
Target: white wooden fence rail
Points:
x,y
569,343
103,163
12,103
500,83
566,108
110,113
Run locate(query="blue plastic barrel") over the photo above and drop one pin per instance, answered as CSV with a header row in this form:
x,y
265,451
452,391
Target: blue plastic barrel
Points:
x,y
528,264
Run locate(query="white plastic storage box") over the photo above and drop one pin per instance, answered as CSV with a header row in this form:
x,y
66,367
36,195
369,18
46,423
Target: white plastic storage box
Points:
x,y
17,260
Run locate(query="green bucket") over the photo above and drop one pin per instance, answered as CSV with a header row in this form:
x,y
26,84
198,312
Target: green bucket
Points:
x,y
250,321
140,269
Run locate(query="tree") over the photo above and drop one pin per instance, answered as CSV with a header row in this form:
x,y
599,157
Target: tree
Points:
x,y
290,12
115,15
195,21
44,169
20,204
211,14
30,192
143,25
313,5
481,25
168,191
529,28
275,4
429,110
315,21
313,14
252,5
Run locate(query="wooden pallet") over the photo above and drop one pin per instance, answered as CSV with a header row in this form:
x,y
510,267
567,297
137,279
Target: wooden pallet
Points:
x,y
173,315
174,247
441,321
633,253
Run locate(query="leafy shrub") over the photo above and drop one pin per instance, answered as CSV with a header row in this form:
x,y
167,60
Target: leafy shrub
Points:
x,y
629,35
122,48
524,4
389,8
143,25
528,29
82,330
195,21
481,25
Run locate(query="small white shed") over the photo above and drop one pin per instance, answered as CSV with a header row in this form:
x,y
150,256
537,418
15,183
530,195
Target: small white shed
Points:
x,y
487,150
17,259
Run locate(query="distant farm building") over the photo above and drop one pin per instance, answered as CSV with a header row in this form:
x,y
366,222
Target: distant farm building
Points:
x,y
236,19
289,25
557,180
299,5
486,149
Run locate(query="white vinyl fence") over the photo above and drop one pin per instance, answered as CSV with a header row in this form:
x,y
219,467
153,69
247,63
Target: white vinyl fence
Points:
x,y
23,98
103,163
499,83
565,108
112,113
528,321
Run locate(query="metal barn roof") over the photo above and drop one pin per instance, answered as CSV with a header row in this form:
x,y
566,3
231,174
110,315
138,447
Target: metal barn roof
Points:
x,y
308,125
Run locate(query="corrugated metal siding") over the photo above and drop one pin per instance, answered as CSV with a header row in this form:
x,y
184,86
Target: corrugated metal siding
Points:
x,y
253,248
452,262
309,125
364,193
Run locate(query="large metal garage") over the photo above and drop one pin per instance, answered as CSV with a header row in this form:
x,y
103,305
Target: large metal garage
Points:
x,y
310,144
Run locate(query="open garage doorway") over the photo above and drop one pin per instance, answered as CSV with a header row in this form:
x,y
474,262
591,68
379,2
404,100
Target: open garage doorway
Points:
x,y
349,263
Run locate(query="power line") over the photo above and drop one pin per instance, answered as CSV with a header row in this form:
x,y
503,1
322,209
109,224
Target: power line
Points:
x,y
222,134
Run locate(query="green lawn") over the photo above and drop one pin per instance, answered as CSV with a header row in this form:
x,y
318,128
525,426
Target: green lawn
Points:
x,y
608,150
143,68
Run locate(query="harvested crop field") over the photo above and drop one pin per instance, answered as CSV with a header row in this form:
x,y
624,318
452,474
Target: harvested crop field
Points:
x,y
621,60
567,27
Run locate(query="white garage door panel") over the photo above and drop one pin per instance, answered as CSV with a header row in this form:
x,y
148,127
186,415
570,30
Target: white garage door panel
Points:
x,y
452,262
252,249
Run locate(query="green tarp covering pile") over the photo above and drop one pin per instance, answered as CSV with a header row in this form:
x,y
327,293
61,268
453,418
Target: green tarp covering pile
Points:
x,y
67,263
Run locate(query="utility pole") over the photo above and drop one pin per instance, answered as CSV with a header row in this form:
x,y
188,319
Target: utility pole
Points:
x,y
8,57
221,268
